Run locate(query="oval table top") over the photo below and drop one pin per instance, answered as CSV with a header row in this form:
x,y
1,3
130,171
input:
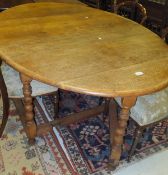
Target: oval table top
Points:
x,y
82,49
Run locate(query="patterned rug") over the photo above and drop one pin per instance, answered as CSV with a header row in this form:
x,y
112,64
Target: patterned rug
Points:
x,y
88,141
78,149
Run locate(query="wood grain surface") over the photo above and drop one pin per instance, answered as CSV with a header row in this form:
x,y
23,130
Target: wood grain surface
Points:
x,y
83,49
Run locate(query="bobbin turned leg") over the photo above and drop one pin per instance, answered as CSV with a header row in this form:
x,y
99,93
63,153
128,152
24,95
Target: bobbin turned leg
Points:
x,y
31,129
117,140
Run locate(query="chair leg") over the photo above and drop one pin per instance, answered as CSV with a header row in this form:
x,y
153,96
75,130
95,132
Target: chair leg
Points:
x,y
5,100
101,101
166,133
107,103
138,134
5,116
56,104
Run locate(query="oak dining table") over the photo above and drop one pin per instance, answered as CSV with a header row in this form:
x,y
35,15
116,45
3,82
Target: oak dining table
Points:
x,y
84,50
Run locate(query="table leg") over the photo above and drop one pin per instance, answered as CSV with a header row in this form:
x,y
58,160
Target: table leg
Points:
x,y
31,129
119,130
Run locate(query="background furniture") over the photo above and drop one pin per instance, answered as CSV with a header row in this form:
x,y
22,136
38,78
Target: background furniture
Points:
x,y
109,5
157,11
132,10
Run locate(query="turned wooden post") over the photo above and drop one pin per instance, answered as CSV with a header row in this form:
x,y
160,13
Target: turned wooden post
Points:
x,y
31,129
117,140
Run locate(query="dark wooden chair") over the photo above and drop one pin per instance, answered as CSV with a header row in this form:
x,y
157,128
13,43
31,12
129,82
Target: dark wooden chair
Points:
x,y
132,10
157,11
